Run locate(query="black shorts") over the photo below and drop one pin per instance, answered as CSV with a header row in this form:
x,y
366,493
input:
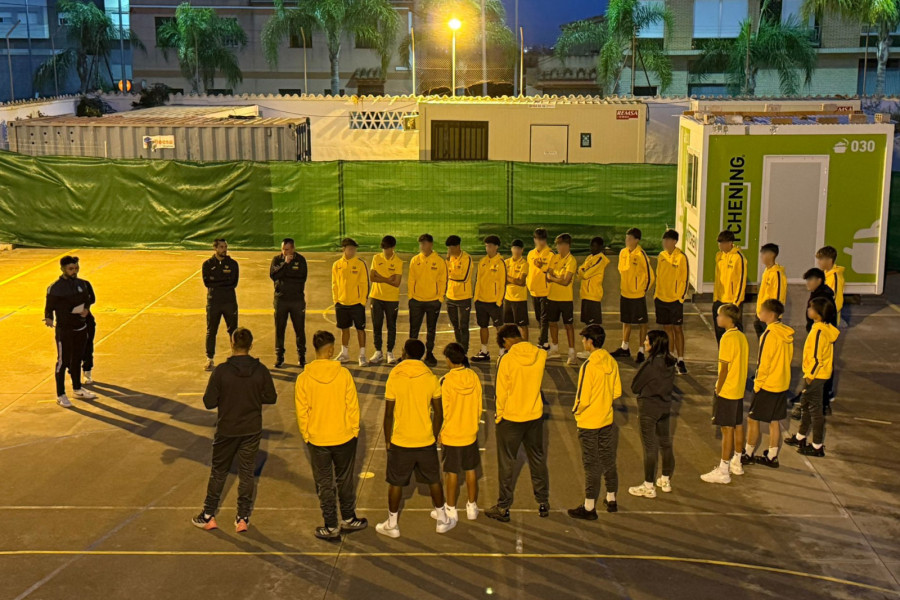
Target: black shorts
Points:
x,y
768,406
669,313
633,311
402,462
728,413
461,458
350,316
487,313
561,309
516,312
591,312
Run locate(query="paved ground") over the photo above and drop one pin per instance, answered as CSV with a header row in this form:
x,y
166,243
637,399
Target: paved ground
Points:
x,y
96,500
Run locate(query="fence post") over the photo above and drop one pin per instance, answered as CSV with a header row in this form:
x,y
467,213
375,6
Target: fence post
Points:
x,y
342,227
510,199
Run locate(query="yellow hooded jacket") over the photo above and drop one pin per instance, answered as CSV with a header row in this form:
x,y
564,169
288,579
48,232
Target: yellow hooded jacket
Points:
x,y
536,280
412,386
349,281
818,351
427,277
772,287
731,277
598,385
462,400
519,376
327,404
459,275
491,283
834,278
591,274
635,271
776,351
671,276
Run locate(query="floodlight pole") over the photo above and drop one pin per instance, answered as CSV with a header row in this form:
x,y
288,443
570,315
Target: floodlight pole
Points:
x,y
12,88
453,65
484,83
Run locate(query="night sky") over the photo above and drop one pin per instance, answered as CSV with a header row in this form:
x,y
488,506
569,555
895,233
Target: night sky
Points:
x,y
542,18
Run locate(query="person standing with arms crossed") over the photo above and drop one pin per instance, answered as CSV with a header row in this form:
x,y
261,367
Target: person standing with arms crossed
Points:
x,y
459,290
87,363
591,274
561,298
386,274
730,280
289,272
672,282
515,301
349,292
220,276
426,288
490,287
537,284
636,279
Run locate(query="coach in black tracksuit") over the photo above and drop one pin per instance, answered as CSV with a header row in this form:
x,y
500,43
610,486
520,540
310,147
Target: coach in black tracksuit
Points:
x,y
220,276
68,293
87,363
289,271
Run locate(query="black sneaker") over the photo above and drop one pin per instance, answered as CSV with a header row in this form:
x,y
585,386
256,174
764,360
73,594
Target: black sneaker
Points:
x,y
810,450
497,513
330,534
430,360
827,411
640,358
354,524
747,459
544,510
620,353
611,506
765,460
680,368
279,362
302,362
582,513
793,441
482,357
205,521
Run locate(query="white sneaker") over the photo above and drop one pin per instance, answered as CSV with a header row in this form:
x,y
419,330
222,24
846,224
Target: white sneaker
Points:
x,y
377,358
553,352
471,510
571,360
210,364
386,529
445,526
664,484
390,359
343,357
583,355
63,401
643,490
363,361
716,476
736,467
88,380
84,394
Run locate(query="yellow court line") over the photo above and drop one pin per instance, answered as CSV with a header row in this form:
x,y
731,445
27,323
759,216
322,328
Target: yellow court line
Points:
x,y
36,267
535,555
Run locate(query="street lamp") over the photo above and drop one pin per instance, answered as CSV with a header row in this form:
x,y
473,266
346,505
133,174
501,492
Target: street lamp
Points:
x,y
454,25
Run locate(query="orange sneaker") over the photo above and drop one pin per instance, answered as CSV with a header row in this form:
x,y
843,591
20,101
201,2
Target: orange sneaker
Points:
x,y
205,522
241,524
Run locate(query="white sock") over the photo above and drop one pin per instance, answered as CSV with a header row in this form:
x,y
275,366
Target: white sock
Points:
x,y
362,351
749,449
624,345
648,485
392,519
773,452
664,478
724,466
588,504
801,437
441,513
610,496
679,358
345,349
737,455
817,446
484,348
451,512
571,351
640,350
554,347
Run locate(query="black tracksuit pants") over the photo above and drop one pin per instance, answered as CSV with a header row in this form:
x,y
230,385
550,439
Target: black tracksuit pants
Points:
x,y
540,315
295,308
69,352
459,312
225,449
430,311
384,310
598,456
215,312
333,470
510,436
87,362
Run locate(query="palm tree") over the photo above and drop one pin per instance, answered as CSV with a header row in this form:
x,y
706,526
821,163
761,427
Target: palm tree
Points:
x,y
373,21
90,36
785,47
205,45
616,38
884,15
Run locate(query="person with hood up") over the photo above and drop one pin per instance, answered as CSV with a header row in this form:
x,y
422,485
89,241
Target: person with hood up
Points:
x,y
519,419
654,383
818,361
328,415
462,401
771,384
238,389
598,386
413,417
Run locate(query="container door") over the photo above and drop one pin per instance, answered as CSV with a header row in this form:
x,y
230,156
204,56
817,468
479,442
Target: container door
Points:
x,y
795,191
549,143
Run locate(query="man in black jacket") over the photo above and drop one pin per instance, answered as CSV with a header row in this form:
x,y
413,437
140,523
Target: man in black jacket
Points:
x,y
288,271
87,361
238,388
220,276
69,304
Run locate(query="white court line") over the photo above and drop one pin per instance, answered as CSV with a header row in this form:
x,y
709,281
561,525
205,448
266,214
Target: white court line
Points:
x,y
873,421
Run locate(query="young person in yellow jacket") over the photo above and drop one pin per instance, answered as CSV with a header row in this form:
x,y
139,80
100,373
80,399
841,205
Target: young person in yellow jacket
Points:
x,y
426,288
834,279
459,289
728,404
730,279
537,284
771,384
520,422
490,288
598,386
818,363
636,279
328,415
772,285
591,273
561,298
386,275
515,301
672,280
413,417
349,292
462,402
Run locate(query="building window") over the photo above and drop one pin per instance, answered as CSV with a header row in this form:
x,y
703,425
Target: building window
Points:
x,y
220,92
867,73
34,21
459,140
644,90
719,18
708,89
159,22
378,120
116,10
296,40
290,91
693,170
370,89
232,42
657,30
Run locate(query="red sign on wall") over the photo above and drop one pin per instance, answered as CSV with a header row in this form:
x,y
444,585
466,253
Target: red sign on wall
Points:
x,y
624,115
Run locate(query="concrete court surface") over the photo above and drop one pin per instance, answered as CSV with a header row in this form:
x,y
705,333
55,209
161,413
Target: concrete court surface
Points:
x,y
96,500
